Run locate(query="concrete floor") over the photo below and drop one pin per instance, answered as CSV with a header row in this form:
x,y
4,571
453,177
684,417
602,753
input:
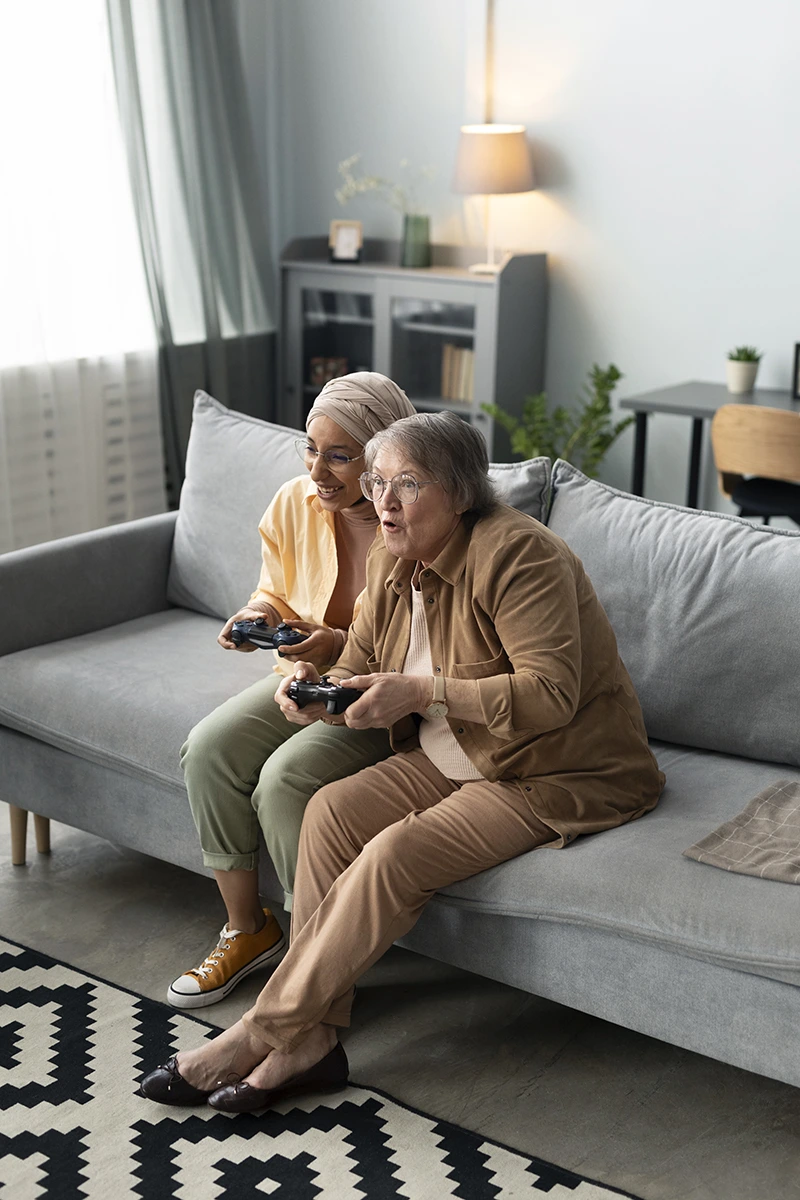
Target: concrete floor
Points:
x,y
619,1107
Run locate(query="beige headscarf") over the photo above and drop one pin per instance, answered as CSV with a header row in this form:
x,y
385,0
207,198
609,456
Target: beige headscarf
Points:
x,y
362,403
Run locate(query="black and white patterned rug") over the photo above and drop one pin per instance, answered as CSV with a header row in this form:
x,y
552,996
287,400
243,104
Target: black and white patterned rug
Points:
x,y
72,1048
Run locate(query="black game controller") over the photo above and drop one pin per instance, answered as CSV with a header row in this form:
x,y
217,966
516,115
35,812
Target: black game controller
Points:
x,y
265,636
335,698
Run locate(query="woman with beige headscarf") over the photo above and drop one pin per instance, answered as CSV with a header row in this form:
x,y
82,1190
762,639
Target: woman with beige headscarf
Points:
x,y
246,767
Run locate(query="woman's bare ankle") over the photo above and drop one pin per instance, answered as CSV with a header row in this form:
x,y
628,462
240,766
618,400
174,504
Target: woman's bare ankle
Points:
x,y
252,923
329,1035
236,1051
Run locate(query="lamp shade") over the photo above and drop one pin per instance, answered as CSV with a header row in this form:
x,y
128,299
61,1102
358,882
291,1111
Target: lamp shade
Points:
x,y
493,159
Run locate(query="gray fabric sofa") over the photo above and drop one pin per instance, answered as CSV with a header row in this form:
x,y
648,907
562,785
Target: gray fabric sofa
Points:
x,y
108,656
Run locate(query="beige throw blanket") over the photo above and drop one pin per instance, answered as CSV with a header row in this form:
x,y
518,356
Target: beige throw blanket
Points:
x,y
763,840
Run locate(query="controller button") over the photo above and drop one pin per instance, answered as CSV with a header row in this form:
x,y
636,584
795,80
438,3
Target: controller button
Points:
x,y
259,621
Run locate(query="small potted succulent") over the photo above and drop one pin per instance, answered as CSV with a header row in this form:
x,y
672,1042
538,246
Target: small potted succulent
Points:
x,y
741,369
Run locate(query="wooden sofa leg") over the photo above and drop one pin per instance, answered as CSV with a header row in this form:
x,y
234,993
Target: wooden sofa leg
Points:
x,y
19,834
41,827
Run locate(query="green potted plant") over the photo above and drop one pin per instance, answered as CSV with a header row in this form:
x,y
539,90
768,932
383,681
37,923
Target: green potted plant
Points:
x,y
416,247
741,369
582,436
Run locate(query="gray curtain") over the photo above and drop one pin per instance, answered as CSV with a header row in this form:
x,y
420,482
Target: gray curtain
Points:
x,y
199,207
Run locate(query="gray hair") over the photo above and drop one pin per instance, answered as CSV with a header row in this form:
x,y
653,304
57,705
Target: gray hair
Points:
x,y
446,449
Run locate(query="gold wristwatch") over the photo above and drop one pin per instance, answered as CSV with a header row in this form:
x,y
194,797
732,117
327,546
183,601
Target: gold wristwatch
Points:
x,y
438,706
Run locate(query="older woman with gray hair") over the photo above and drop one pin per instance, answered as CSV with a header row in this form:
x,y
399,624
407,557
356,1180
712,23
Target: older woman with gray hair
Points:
x,y
246,766
482,646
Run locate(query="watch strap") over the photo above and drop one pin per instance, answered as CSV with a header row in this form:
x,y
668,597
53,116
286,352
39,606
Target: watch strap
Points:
x,y
438,689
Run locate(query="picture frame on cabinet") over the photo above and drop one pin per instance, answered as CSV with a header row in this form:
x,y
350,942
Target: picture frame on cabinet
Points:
x,y
345,239
796,373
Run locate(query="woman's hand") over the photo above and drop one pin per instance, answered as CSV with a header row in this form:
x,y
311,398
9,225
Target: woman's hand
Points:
x,y
387,698
319,648
308,673
250,612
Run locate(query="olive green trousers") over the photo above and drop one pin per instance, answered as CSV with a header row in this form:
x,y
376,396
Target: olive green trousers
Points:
x,y
246,767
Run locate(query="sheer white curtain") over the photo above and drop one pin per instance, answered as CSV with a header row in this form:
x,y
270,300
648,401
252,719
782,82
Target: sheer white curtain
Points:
x,y
202,215
80,439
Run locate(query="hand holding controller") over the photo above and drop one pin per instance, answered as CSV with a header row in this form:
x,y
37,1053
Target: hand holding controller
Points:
x,y
265,636
335,698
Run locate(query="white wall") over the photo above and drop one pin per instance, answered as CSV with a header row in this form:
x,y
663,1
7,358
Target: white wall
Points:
x,y
664,141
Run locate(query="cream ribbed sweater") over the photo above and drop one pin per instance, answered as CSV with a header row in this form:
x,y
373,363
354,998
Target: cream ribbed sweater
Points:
x,y
435,736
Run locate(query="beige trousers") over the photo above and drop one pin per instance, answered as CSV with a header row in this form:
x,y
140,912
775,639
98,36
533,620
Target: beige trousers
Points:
x,y
373,850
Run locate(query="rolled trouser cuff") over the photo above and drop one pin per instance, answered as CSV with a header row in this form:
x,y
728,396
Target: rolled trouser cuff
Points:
x,y
231,862
265,1032
265,1035
272,1034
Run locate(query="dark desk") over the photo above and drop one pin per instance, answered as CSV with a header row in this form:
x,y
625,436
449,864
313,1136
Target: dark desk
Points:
x,y
696,400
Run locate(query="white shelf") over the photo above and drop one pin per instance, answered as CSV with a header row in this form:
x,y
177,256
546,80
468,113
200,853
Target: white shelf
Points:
x,y
461,331
312,318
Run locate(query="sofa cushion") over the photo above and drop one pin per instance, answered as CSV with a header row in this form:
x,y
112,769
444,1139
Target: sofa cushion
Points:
x,y
127,696
706,609
523,485
234,466
634,880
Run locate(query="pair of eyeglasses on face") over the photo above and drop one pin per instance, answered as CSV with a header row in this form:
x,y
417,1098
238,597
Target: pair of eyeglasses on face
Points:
x,y
337,460
404,486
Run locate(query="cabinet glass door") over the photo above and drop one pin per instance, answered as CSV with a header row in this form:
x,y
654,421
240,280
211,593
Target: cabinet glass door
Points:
x,y
337,335
433,352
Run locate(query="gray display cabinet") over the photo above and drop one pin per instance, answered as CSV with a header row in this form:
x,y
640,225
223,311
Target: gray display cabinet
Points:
x,y
452,339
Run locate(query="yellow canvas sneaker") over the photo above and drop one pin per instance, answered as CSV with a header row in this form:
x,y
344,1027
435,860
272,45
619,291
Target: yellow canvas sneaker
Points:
x,y
235,955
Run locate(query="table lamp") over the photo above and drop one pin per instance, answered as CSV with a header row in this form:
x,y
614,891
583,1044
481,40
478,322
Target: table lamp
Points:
x,y
492,160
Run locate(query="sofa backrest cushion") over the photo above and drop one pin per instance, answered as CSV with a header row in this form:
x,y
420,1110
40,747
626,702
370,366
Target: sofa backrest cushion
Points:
x,y
706,609
523,485
234,466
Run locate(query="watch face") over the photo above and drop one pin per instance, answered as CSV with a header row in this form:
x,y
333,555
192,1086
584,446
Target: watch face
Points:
x,y
437,709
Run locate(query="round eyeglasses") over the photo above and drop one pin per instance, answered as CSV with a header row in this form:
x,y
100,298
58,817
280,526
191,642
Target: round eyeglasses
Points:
x,y
405,487
337,460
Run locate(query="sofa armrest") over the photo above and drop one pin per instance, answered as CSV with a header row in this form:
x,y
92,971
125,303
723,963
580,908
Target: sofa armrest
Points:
x,y
77,584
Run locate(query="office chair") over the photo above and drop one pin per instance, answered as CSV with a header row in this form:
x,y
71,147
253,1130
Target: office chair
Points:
x,y
757,456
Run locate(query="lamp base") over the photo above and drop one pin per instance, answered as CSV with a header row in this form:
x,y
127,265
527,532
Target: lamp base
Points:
x,y
485,268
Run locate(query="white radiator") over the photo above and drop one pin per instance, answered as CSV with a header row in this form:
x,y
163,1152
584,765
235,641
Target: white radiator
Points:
x,y
80,446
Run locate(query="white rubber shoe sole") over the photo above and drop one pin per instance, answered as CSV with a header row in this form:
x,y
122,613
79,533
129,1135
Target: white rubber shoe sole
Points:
x,y
203,999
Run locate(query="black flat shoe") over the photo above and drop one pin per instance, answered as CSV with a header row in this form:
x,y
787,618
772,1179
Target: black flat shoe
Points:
x,y
328,1075
166,1085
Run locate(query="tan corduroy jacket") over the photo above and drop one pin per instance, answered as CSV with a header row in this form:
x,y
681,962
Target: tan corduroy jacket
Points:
x,y
508,604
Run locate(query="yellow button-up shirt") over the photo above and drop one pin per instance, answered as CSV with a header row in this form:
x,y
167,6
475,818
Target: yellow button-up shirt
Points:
x,y
299,563
509,605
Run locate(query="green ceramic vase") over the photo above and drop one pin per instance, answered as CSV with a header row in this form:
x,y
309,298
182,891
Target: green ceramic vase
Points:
x,y
416,241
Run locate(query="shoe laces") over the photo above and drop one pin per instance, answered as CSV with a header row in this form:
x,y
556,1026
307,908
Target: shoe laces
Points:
x,y
226,939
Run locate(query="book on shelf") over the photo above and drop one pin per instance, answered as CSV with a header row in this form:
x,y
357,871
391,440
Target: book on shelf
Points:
x,y
458,373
